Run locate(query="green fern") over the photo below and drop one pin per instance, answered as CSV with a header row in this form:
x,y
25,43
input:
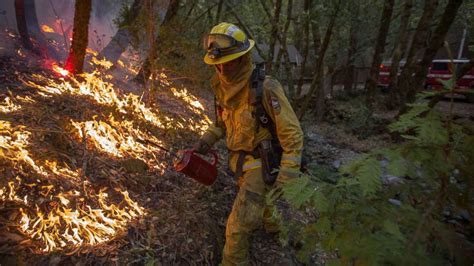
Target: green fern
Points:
x,y
298,191
366,223
409,120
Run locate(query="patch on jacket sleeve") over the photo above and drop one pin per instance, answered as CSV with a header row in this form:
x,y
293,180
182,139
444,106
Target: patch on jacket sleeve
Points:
x,y
275,104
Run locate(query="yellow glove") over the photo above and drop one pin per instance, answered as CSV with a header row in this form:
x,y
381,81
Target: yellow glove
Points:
x,y
285,175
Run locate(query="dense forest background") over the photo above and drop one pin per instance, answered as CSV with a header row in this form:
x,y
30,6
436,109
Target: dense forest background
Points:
x,y
390,167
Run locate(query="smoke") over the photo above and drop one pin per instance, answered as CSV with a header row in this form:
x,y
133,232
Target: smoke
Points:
x,y
101,26
7,14
51,12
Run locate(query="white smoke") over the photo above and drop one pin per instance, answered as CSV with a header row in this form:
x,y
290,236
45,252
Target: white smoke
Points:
x,y
101,27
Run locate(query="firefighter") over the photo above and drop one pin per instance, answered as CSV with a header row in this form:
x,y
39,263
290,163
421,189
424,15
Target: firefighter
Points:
x,y
228,50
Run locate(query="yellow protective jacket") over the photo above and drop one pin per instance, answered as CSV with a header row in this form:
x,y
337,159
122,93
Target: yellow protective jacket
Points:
x,y
236,121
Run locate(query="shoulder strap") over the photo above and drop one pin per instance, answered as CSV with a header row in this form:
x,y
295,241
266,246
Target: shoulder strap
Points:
x,y
256,95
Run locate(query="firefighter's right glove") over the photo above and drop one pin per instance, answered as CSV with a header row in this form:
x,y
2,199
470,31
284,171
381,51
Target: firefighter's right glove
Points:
x,y
284,176
201,147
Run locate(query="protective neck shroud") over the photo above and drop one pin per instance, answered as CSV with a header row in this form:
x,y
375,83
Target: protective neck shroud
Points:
x,y
234,83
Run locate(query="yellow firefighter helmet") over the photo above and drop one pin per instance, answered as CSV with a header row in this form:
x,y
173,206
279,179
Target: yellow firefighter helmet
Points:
x,y
225,43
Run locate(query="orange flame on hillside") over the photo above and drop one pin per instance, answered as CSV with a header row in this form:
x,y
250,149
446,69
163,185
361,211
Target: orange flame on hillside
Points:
x,y
46,28
59,70
59,219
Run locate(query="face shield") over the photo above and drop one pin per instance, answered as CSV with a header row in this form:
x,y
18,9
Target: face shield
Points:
x,y
218,45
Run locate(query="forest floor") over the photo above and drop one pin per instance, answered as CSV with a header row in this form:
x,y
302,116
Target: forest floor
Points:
x,y
183,222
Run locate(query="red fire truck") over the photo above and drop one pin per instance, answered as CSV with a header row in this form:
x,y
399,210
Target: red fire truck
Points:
x,y
439,69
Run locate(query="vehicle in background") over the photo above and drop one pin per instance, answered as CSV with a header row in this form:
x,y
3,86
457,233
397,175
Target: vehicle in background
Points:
x,y
440,69
384,74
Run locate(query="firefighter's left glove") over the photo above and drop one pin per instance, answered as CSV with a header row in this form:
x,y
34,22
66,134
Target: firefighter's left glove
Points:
x,y
201,147
285,175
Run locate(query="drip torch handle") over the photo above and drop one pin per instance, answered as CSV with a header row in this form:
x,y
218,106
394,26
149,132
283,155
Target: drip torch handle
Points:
x,y
148,142
215,159
214,155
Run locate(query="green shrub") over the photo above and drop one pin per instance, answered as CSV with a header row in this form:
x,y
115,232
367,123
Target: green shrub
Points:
x,y
360,220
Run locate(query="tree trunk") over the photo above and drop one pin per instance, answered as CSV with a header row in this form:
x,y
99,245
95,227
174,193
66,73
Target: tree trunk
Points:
x,y
82,13
146,68
351,51
246,29
435,43
319,71
273,35
398,52
379,50
219,11
121,39
418,43
284,52
172,11
45,50
298,25
32,19
306,21
22,26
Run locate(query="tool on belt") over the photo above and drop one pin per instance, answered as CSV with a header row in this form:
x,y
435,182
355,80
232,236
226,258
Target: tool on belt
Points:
x,y
191,164
269,151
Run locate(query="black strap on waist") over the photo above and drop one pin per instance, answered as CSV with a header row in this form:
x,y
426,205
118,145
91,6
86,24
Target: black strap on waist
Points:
x,y
241,160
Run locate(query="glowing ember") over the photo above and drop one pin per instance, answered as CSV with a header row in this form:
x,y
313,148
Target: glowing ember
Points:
x,y
8,106
46,28
91,51
103,63
20,53
63,72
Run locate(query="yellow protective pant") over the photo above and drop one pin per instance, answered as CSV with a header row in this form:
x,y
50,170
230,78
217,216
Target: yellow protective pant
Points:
x,y
249,212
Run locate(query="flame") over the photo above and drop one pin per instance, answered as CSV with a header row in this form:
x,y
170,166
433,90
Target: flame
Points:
x,y
46,28
60,209
188,98
71,225
91,51
13,147
61,71
8,106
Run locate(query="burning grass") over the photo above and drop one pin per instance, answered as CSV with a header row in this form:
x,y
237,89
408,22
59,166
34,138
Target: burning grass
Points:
x,y
61,143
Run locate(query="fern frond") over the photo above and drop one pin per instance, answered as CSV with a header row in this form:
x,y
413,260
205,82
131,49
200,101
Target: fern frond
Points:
x,y
397,164
354,165
320,201
297,191
431,130
368,176
408,120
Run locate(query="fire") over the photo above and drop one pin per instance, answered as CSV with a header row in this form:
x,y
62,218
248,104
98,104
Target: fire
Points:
x,y
8,106
91,51
14,142
71,223
46,28
59,208
188,98
63,72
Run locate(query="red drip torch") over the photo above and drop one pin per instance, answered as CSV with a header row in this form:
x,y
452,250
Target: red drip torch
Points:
x,y
191,164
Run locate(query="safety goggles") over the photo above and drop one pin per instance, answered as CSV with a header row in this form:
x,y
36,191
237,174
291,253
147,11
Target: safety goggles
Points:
x,y
218,45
